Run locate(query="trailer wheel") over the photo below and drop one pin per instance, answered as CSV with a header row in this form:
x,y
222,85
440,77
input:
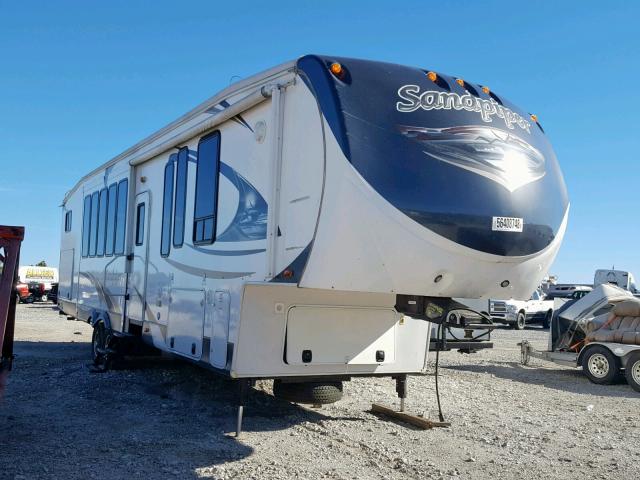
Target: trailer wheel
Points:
x,y
546,323
600,365
314,393
632,371
521,321
99,343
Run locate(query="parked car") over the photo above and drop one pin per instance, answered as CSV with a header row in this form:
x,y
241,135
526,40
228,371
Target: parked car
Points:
x,y
518,313
568,290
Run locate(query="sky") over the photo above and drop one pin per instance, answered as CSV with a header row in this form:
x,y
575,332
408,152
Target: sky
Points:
x,y
82,81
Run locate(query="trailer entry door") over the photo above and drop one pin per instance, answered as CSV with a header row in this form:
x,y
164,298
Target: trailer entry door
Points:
x,y
138,279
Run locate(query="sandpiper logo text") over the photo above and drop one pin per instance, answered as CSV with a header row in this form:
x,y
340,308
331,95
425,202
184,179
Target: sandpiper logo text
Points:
x,y
412,100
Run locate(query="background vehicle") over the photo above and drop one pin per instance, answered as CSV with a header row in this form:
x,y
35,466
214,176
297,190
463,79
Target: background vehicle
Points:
x,y
597,332
40,281
518,313
568,290
22,293
621,278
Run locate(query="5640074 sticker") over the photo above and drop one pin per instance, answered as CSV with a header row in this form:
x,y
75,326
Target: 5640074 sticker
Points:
x,y
507,224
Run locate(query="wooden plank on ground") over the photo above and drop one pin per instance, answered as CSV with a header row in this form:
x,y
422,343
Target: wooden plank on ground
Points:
x,y
415,420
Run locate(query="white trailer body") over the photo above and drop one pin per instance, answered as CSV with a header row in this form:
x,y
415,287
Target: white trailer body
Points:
x,y
621,278
255,235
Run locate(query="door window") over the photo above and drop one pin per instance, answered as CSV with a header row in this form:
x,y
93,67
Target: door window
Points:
x,y
140,212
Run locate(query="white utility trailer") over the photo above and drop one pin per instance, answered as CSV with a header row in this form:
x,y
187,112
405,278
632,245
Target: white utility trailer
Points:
x,y
573,340
295,225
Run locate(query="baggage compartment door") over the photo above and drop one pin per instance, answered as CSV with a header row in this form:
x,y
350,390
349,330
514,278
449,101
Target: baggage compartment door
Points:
x,y
332,335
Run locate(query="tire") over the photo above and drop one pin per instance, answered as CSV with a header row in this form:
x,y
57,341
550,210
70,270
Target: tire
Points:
x,y
314,393
98,343
521,321
546,323
632,370
600,365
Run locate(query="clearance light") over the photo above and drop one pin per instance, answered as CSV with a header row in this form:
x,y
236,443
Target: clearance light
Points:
x,y
336,69
460,82
432,76
486,90
287,274
534,117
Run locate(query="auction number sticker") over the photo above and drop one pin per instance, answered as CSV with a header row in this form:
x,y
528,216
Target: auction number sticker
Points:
x,y
507,224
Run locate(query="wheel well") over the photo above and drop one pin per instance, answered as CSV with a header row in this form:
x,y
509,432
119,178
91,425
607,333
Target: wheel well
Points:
x,y
590,347
99,316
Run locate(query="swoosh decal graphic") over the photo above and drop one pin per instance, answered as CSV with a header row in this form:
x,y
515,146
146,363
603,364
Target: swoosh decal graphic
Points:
x,y
200,272
490,152
227,253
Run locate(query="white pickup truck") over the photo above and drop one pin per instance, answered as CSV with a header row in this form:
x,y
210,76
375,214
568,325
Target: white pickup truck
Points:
x,y
518,313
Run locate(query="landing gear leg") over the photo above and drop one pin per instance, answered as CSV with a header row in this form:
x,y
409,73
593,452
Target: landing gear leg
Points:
x,y
243,389
401,389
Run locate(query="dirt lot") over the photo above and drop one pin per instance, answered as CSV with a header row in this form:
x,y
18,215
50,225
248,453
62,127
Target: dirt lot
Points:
x,y
167,419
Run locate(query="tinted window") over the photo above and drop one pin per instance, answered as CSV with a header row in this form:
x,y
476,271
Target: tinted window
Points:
x,y
140,224
86,225
602,310
111,219
167,209
206,189
93,235
102,222
121,216
181,198
67,221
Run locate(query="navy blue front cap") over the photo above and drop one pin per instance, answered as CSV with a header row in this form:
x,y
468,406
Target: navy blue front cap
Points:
x,y
452,157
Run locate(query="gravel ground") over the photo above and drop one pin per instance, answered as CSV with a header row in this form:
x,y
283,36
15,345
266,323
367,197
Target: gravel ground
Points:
x,y
167,419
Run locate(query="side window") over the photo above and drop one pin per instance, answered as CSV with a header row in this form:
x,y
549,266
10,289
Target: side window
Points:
x,y
86,225
181,197
204,221
93,235
140,224
121,216
602,310
102,222
67,221
167,209
111,219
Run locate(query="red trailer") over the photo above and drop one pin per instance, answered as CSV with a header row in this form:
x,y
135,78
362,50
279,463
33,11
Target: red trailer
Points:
x,y
10,240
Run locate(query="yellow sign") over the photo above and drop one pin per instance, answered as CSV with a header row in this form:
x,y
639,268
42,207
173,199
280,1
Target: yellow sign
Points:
x,y
39,273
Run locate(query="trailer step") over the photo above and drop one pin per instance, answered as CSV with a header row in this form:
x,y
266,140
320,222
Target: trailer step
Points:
x,y
414,420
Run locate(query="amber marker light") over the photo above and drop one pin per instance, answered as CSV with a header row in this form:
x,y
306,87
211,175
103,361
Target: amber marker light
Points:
x,y
460,82
336,69
432,76
534,117
486,90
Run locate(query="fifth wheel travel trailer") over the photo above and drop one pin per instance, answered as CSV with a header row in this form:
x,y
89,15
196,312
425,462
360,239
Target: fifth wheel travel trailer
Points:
x,y
307,223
